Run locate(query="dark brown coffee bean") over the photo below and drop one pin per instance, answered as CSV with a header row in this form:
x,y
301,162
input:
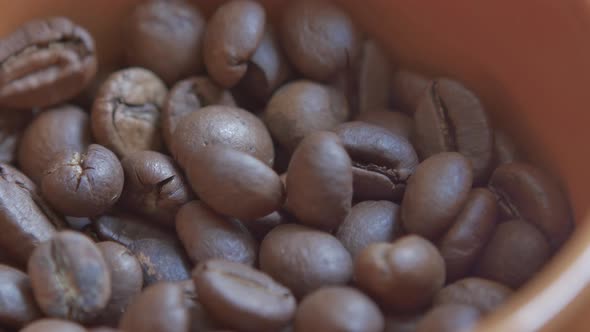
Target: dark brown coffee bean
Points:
x,y
233,34
449,318
53,325
451,118
319,38
12,127
485,295
25,219
222,125
261,226
160,260
526,192
45,62
165,37
403,276
208,235
369,222
402,323
374,86
154,186
70,277
395,122
304,259
302,107
126,281
333,309
16,296
124,229
505,149
406,88
382,162
235,183
515,253
319,184
83,184
188,96
53,131
243,298
473,227
201,320
435,194
126,112
159,308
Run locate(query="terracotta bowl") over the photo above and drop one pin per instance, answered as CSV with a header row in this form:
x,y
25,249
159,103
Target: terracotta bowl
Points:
x,y
529,60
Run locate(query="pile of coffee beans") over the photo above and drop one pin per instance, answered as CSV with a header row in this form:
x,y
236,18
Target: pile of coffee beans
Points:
x,y
246,172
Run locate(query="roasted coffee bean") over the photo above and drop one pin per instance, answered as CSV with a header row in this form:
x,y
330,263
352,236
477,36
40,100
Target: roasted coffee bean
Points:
x,y
70,277
12,127
126,281
449,318
526,192
233,34
256,192
451,118
222,125
154,186
333,309
402,276
374,86
25,219
302,107
435,194
208,235
505,149
159,308
243,298
319,181
406,89
125,229
126,112
485,295
473,227
304,259
382,161
53,131
369,222
319,38
17,305
402,323
201,320
514,254
45,62
165,37
160,260
261,226
188,96
83,184
395,122
53,325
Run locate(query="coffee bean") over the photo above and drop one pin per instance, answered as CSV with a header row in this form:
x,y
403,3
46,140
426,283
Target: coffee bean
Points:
x,y
165,37
19,306
369,222
333,309
160,260
505,149
262,226
395,122
526,192
403,276
54,45
222,125
485,295
159,308
53,131
83,184
382,162
125,229
319,182
188,96
78,224
126,112
304,259
242,297
200,319
319,38
256,192
208,235
233,34
406,89
154,186
126,281
70,277
402,323
53,325
451,118
514,254
435,194
12,126
449,318
473,227
301,107
374,86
